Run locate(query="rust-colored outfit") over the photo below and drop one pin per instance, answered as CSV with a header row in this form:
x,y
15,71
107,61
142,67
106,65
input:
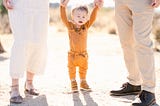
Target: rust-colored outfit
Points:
x,y
78,56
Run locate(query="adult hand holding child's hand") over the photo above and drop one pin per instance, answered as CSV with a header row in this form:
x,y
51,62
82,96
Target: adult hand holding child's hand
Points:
x,y
98,3
64,2
8,4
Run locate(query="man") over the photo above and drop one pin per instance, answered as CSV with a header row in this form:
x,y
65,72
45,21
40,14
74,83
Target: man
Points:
x,y
134,23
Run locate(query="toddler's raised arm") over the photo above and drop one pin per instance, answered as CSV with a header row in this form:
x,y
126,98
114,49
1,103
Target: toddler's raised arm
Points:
x,y
64,2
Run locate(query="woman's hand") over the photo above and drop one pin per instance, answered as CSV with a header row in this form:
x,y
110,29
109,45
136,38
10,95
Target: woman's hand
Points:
x,y
8,4
155,3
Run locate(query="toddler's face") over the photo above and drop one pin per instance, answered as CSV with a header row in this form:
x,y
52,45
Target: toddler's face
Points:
x,y
80,17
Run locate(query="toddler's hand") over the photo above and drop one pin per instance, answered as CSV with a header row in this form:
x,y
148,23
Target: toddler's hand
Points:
x,y
64,2
98,3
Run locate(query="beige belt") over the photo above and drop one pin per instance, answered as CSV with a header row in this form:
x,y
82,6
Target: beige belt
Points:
x,y
83,54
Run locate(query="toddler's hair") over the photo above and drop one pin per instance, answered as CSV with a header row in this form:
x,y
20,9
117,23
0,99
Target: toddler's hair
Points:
x,y
81,8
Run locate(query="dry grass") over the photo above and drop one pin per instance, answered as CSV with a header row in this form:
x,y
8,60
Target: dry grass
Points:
x,y
104,21
4,24
156,31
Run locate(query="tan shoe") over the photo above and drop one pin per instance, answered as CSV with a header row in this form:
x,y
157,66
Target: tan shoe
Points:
x,y
84,86
74,86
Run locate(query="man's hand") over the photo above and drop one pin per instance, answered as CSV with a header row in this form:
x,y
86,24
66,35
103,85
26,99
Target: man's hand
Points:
x,y
64,2
8,4
155,3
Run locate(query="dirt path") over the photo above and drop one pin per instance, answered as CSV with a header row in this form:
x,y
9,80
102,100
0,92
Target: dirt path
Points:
x,y
106,71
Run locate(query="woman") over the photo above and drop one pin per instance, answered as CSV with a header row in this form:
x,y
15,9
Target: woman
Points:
x,y
29,24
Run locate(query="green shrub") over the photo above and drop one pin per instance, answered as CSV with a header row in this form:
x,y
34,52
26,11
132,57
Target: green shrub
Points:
x,y
2,9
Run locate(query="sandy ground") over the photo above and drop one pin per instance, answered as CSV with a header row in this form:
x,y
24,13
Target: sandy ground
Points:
x,y
106,71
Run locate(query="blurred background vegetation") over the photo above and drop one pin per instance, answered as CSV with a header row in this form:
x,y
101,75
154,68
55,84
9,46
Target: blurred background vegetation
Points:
x,y
104,22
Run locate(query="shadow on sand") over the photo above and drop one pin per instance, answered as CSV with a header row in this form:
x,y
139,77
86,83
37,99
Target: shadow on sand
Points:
x,y
88,99
33,101
128,99
3,58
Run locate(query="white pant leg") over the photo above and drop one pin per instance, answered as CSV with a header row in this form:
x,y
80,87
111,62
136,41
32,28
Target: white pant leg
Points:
x,y
29,24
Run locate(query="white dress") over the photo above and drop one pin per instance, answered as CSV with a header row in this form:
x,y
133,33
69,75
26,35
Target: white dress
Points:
x,y
29,24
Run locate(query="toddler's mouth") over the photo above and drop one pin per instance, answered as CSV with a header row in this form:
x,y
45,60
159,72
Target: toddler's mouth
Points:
x,y
80,21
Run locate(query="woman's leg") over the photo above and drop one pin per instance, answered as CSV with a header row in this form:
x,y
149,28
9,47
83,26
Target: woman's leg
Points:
x,y
29,80
15,95
15,88
29,88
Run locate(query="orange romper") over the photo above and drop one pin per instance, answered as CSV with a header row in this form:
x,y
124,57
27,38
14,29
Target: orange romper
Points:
x,y
77,56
